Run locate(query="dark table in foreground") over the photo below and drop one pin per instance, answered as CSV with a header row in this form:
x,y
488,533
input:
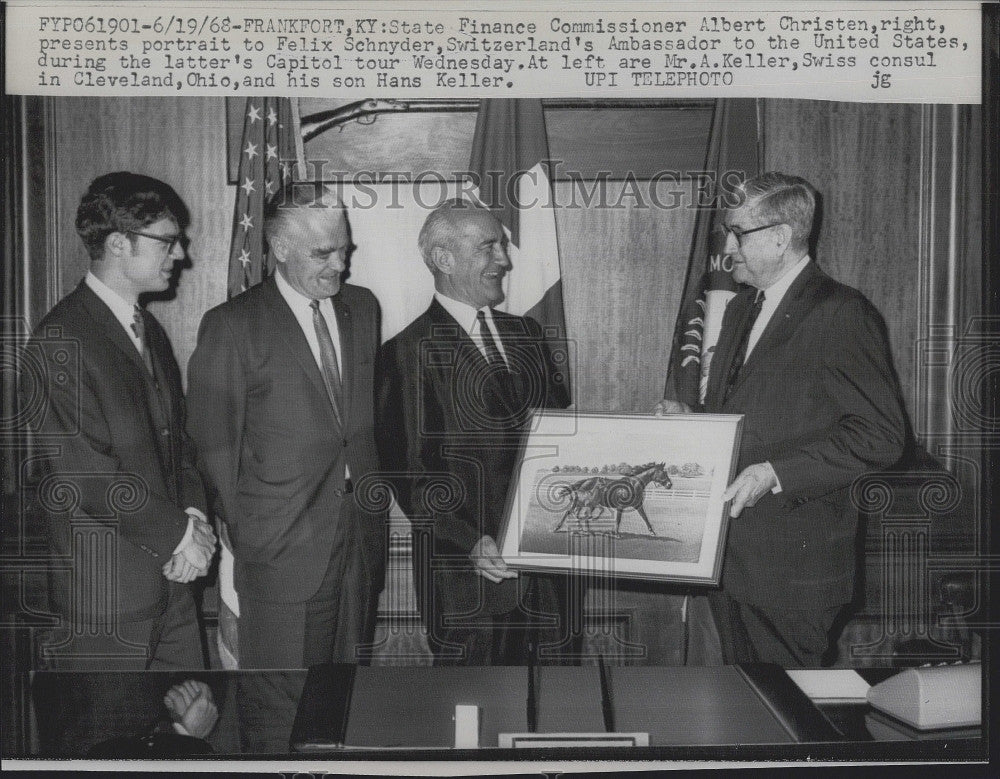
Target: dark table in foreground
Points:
x,y
347,712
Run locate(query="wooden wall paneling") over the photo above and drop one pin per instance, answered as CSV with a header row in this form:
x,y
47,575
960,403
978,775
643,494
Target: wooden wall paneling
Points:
x,y
949,241
970,188
643,141
179,140
623,274
864,160
623,271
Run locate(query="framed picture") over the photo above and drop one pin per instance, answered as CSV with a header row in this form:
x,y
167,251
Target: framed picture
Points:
x,y
624,495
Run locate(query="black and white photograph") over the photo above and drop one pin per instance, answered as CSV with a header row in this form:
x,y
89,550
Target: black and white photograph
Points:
x,y
393,389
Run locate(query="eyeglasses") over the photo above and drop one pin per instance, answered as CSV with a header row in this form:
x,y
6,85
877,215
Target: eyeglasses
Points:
x,y
738,233
172,241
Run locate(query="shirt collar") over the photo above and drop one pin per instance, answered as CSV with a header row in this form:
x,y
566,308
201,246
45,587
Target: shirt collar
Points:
x,y
774,293
463,313
294,298
123,310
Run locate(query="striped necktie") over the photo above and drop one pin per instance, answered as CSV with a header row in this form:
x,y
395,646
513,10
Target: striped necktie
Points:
x,y
328,360
493,355
139,328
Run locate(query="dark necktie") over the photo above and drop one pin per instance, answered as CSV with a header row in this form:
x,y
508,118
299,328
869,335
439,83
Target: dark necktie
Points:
x,y
139,328
328,360
741,349
493,356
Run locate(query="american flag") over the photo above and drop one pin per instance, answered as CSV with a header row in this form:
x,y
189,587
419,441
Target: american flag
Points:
x,y
267,150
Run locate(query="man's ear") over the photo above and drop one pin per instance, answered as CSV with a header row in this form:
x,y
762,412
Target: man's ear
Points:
x,y
117,244
784,235
279,248
442,259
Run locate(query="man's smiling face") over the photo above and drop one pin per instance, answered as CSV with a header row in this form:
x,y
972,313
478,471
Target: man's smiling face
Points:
x,y
479,259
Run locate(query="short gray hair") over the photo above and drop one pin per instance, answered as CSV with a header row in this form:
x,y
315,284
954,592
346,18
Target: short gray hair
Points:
x,y
292,198
439,227
790,200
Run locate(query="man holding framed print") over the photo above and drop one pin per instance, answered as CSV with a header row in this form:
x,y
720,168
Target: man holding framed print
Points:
x,y
807,361
455,390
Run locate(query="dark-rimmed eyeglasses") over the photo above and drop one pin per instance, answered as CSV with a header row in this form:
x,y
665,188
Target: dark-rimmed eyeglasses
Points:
x,y
738,233
172,241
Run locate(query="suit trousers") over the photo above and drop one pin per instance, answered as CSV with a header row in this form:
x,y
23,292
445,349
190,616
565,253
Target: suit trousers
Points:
x,y
336,624
788,637
170,642
539,629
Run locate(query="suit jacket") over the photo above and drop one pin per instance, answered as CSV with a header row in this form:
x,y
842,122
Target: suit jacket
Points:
x,y
270,448
823,406
121,458
450,441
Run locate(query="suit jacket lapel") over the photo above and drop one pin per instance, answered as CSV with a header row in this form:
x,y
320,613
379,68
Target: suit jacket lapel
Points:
x,y
442,324
158,360
725,349
288,329
348,350
156,405
793,307
165,413
110,327
513,336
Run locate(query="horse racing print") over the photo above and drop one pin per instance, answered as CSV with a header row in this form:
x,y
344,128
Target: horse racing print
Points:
x,y
624,495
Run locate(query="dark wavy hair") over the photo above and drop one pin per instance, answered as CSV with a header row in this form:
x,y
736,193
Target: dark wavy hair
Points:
x,y
123,201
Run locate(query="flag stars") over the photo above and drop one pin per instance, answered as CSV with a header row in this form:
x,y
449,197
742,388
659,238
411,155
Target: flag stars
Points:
x,y
269,187
247,222
250,150
253,114
272,152
247,186
244,259
272,117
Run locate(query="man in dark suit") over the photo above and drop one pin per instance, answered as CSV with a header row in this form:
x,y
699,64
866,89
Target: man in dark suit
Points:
x,y
280,393
123,498
807,360
455,389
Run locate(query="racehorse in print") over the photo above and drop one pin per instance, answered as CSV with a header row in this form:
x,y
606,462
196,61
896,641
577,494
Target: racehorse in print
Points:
x,y
597,493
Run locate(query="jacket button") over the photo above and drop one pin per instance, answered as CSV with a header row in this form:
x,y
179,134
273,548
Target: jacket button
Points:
x,y
165,431
338,492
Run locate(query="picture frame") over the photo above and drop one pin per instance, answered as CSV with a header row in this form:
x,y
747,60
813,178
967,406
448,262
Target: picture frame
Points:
x,y
629,495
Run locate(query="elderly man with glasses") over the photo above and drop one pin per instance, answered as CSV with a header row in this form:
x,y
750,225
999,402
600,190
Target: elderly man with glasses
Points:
x,y
807,361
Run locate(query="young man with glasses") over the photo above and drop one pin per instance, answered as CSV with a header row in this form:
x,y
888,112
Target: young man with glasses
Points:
x,y
806,360
133,532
